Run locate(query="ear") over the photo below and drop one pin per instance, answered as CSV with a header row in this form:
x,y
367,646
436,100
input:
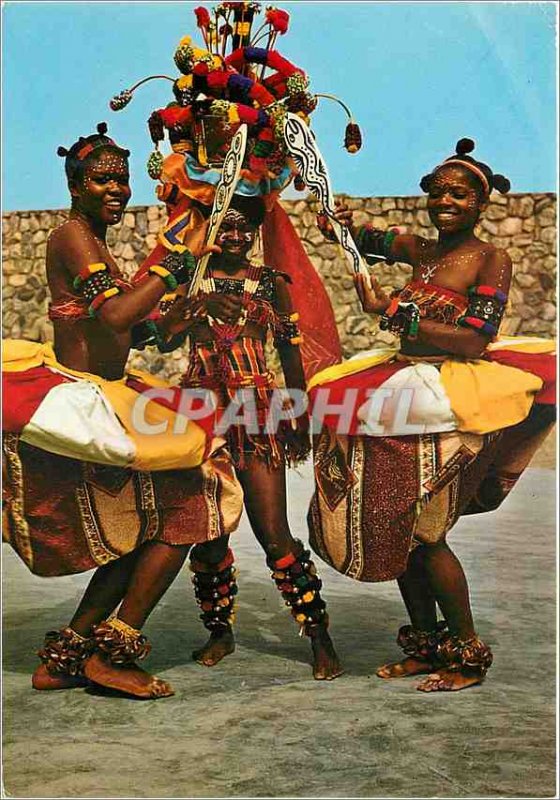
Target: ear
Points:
x,y
74,187
483,205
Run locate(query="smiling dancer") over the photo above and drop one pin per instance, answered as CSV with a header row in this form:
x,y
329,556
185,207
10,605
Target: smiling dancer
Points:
x,y
72,407
480,409
240,303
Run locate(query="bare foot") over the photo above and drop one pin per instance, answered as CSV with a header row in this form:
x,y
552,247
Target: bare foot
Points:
x,y
402,669
326,666
220,644
44,681
449,681
129,679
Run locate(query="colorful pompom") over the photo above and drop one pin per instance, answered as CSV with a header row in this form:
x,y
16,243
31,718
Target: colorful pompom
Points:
x,y
277,19
202,17
155,165
352,138
121,100
184,56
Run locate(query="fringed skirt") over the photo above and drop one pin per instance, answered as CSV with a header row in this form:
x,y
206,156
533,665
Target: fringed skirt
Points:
x,y
247,399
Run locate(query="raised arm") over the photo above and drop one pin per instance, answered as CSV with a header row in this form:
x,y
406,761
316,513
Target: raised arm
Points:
x,y
83,256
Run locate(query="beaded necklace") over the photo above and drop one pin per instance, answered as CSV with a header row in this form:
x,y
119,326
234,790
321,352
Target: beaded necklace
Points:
x,y
225,332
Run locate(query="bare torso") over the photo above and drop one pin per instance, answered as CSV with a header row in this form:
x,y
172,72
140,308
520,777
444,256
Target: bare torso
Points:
x,y
86,345
456,269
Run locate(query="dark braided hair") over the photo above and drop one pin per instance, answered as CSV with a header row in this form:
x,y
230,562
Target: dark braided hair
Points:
x,y
463,147
84,148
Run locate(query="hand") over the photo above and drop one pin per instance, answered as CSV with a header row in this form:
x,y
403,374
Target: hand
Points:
x,y
298,437
374,300
343,214
225,307
182,314
213,249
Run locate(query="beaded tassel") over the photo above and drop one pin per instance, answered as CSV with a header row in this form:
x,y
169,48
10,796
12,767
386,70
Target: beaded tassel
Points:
x,y
215,588
64,652
296,577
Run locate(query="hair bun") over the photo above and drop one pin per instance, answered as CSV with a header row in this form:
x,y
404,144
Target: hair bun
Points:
x,y
102,128
425,183
464,146
61,151
501,183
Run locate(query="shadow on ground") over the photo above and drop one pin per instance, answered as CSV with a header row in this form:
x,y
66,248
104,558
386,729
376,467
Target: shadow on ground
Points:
x,y
258,725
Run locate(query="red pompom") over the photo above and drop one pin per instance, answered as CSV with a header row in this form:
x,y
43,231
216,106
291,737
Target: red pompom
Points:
x,y
202,17
278,19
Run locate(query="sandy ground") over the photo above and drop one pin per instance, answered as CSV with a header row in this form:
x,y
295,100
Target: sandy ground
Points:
x,y
257,725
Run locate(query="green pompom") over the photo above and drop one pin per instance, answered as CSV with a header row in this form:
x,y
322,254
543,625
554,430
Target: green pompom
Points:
x,y
184,58
155,165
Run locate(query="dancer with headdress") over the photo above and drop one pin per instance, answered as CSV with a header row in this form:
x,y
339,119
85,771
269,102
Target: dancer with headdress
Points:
x,y
241,302
88,482
442,427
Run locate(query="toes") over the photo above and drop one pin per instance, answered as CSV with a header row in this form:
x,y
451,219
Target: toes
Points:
x,y
159,688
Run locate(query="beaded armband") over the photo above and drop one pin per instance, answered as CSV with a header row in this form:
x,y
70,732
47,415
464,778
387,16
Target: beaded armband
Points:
x,y
167,277
402,319
485,310
286,330
374,242
143,334
96,285
180,265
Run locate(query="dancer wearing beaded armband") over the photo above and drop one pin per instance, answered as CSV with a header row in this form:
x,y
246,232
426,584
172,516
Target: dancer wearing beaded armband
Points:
x,y
86,488
478,408
243,302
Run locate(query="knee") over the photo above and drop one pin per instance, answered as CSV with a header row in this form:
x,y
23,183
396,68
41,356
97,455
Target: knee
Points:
x,y
275,550
211,552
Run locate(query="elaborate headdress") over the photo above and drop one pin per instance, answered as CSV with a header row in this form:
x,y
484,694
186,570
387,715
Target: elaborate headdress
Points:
x,y
219,91
85,147
487,179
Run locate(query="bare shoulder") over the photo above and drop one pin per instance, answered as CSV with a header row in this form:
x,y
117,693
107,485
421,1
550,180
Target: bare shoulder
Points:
x,y
410,249
73,246
496,267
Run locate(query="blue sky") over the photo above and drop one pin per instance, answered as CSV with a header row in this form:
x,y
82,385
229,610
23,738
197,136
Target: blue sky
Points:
x,y
417,76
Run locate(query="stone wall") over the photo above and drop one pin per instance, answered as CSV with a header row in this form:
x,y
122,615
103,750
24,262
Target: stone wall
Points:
x,y
524,224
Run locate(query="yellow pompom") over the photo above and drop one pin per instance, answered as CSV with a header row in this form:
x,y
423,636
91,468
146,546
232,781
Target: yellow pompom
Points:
x,y
185,82
308,597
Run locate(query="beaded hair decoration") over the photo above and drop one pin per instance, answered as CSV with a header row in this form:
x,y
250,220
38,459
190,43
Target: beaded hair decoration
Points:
x,y
85,147
487,179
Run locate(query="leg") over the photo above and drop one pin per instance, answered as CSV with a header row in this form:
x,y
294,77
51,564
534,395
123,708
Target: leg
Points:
x,y
265,501
466,656
105,591
215,588
418,640
118,641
